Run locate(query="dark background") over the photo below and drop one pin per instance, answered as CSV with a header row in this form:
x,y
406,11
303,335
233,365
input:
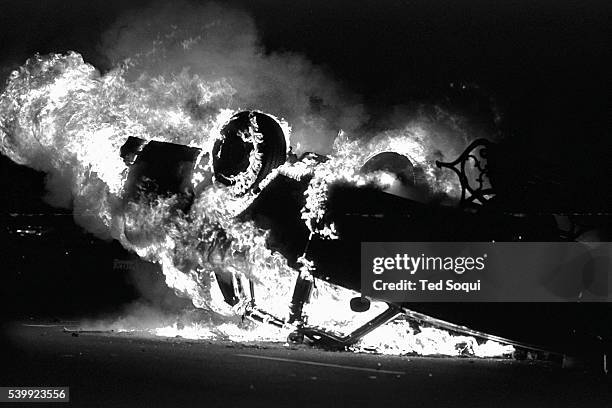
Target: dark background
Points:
x,y
545,64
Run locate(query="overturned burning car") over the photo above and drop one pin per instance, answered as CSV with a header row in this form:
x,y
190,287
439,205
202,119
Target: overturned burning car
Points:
x,y
316,212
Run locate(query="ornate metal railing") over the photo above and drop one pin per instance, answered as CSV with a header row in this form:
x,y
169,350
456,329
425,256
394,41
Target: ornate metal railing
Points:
x,y
472,169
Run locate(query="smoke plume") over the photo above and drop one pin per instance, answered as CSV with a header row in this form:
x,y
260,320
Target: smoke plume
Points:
x,y
221,45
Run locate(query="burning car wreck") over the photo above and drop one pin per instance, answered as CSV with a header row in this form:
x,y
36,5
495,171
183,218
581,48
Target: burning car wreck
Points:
x,y
308,204
313,211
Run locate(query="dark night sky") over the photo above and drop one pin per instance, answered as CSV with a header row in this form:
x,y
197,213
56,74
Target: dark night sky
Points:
x,y
548,55
545,62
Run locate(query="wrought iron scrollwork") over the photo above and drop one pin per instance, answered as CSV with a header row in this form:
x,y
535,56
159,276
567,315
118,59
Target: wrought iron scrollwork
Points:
x,y
479,190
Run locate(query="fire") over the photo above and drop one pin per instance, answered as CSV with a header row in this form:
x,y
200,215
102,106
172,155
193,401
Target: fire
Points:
x,y
399,338
60,115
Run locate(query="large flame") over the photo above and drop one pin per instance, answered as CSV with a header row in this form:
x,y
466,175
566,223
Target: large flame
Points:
x,y
59,115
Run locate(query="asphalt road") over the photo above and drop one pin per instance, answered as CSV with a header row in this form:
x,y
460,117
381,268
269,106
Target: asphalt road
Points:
x,y
122,370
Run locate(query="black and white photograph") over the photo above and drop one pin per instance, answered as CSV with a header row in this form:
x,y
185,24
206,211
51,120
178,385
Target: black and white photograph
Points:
x,y
310,203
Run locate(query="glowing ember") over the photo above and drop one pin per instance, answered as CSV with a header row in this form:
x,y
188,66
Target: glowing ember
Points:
x,y
398,338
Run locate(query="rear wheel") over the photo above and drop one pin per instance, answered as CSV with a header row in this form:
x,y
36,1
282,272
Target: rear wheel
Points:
x,y
252,144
